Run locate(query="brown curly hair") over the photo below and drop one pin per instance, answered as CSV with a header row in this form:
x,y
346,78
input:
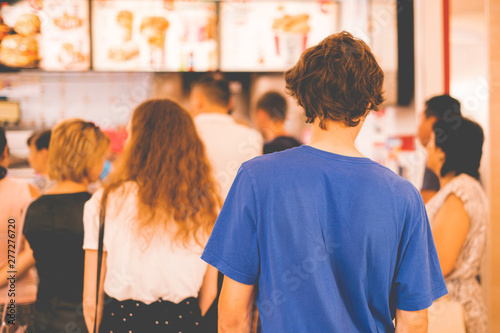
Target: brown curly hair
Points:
x,y
338,79
166,158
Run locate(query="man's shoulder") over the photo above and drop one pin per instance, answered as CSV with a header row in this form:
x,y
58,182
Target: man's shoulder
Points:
x,y
274,163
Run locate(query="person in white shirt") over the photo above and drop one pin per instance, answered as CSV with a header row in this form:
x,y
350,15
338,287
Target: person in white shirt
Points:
x,y
228,143
160,204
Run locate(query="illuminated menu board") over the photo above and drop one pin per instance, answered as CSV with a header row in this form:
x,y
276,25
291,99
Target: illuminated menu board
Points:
x,y
154,35
49,34
271,35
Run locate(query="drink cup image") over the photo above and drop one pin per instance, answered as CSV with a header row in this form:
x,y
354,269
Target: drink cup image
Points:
x,y
154,30
290,35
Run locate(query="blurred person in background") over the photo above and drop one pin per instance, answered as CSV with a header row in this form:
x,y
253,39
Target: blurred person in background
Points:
x,y
458,214
270,116
436,108
329,240
38,144
15,195
54,224
160,204
228,143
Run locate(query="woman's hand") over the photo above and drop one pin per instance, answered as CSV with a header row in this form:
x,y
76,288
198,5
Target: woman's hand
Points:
x,y
208,290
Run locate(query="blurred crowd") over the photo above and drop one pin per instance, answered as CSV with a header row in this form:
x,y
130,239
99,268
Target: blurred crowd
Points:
x,y
115,240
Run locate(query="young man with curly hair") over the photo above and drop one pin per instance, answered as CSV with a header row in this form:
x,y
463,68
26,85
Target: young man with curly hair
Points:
x,y
334,241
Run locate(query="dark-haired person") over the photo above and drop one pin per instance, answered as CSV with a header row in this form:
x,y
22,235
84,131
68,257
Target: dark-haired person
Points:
x,y
38,143
54,224
335,241
458,214
228,143
15,195
436,108
270,118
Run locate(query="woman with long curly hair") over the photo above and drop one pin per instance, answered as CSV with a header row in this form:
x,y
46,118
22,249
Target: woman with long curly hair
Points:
x,y
160,205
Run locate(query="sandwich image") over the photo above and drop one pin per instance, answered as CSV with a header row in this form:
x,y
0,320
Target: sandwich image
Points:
x,y
27,25
4,31
19,51
123,52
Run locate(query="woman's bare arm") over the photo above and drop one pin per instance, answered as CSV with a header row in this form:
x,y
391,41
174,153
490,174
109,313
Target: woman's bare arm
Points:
x,y
208,290
450,228
412,321
89,288
235,307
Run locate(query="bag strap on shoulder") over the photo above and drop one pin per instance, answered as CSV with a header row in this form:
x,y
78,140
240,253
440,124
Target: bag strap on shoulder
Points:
x,y
102,215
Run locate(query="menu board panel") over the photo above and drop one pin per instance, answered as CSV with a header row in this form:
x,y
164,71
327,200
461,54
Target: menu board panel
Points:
x,y
271,35
154,35
47,34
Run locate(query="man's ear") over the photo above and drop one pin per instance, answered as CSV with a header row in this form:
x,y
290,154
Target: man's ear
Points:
x,y
432,119
197,100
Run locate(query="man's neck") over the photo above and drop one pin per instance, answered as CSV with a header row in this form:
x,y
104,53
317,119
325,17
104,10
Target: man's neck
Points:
x,y
274,130
214,109
338,138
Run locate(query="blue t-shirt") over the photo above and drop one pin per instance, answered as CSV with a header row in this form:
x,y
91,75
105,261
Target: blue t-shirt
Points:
x,y
335,243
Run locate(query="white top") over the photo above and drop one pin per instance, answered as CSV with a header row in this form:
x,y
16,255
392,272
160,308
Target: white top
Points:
x,y
140,269
228,145
14,199
461,282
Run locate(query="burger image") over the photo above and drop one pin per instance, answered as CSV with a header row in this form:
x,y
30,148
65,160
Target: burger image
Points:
x,y
4,31
19,51
292,24
27,25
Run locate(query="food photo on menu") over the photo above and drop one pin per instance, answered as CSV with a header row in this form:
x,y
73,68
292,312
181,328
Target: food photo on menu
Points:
x,y
49,34
271,35
154,35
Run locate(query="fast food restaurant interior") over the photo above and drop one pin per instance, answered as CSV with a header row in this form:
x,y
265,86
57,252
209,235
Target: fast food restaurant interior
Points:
x,y
97,60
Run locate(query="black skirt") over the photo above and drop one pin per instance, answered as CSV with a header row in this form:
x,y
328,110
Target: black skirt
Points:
x,y
161,316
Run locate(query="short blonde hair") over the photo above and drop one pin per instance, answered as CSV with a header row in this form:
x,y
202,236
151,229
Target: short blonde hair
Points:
x,y
75,147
